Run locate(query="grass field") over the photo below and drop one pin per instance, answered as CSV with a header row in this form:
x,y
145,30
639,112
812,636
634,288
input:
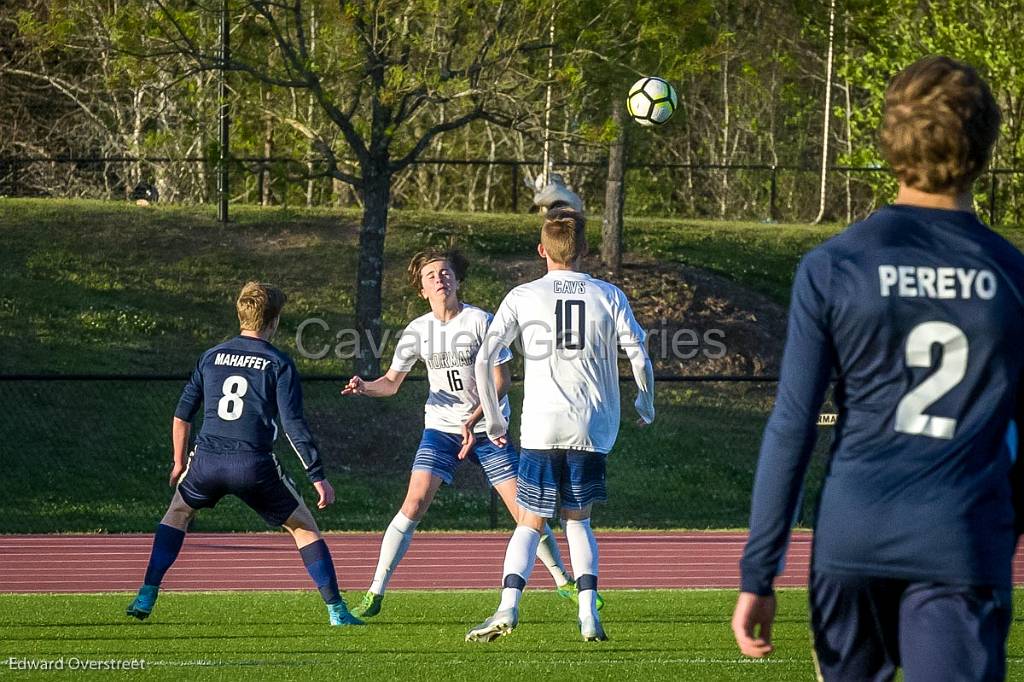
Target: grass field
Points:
x,y
654,635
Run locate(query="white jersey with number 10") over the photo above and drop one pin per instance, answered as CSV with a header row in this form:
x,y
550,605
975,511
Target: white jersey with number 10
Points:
x,y
571,327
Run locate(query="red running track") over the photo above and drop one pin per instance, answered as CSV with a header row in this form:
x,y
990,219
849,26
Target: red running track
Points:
x,y
435,561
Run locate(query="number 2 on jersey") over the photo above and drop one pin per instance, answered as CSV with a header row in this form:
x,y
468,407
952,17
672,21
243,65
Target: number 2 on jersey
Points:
x,y
229,407
569,332
910,416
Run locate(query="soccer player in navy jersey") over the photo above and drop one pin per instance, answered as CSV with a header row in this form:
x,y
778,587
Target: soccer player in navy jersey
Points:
x,y
244,385
918,312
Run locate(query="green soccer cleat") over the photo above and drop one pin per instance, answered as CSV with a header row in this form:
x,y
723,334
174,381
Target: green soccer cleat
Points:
x,y
340,615
498,625
370,606
569,591
592,631
144,601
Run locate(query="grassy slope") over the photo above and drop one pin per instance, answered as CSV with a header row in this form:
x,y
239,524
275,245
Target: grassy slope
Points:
x,y
107,287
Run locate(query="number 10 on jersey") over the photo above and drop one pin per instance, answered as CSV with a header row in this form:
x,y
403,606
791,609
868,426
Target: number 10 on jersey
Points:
x,y
570,324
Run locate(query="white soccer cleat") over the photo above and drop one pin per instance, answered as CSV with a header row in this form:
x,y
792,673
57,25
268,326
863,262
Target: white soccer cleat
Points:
x,y
501,623
591,630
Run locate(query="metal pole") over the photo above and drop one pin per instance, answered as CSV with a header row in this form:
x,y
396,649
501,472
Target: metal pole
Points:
x,y
222,165
773,196
992,200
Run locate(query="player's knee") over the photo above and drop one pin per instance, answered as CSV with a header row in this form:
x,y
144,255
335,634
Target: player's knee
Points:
x,y
531,520
303,536
301,522
576,514
415,507
178,516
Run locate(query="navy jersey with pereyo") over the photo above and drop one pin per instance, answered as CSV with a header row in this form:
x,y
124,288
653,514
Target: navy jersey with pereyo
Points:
x,y
919,316
245,384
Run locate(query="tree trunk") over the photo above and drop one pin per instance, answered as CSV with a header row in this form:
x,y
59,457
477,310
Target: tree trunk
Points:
x,y
614,194
828,112
369,277
849,117
723,201
266,193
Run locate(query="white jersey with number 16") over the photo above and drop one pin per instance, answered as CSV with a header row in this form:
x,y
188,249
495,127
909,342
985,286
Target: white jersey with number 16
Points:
x,y
448,349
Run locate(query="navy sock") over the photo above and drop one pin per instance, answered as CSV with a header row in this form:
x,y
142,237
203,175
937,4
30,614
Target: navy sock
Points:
x,y
166,545
318,562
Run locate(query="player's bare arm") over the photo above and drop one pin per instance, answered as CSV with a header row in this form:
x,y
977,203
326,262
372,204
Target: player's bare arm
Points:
x,y
180,430
384,387
502,381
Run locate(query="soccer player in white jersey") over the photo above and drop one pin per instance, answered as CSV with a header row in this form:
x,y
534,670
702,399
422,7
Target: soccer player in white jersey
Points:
x,y
571,327
446,339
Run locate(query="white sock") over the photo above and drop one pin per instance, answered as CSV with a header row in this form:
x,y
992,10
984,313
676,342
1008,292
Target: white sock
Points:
x,y
584,557
519,559
551,556
588,603
396,540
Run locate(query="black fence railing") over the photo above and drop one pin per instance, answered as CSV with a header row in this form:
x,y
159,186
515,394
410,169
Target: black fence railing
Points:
x,y
767,192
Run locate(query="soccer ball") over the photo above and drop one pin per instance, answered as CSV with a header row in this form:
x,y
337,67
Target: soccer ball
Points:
x,y
651,101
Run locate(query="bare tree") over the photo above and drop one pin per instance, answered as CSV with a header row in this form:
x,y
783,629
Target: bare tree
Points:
x,y
373,76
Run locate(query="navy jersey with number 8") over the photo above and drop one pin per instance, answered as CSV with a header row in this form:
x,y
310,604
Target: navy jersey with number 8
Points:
x,y
245,384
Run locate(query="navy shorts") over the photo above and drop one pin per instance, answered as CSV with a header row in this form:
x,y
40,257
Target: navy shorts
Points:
x,y
865,627
438,453
257,479
575,476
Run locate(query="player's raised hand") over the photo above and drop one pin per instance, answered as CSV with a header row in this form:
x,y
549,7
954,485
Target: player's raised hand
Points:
x,y
468,440
355,386
752,624
176,471
326,492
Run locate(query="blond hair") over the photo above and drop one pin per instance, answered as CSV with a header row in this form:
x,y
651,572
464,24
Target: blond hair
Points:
x,y
456,261
939,126
564,235
258,305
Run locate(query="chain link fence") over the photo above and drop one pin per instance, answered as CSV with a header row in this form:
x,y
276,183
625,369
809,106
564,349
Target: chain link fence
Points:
x,y
762,192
